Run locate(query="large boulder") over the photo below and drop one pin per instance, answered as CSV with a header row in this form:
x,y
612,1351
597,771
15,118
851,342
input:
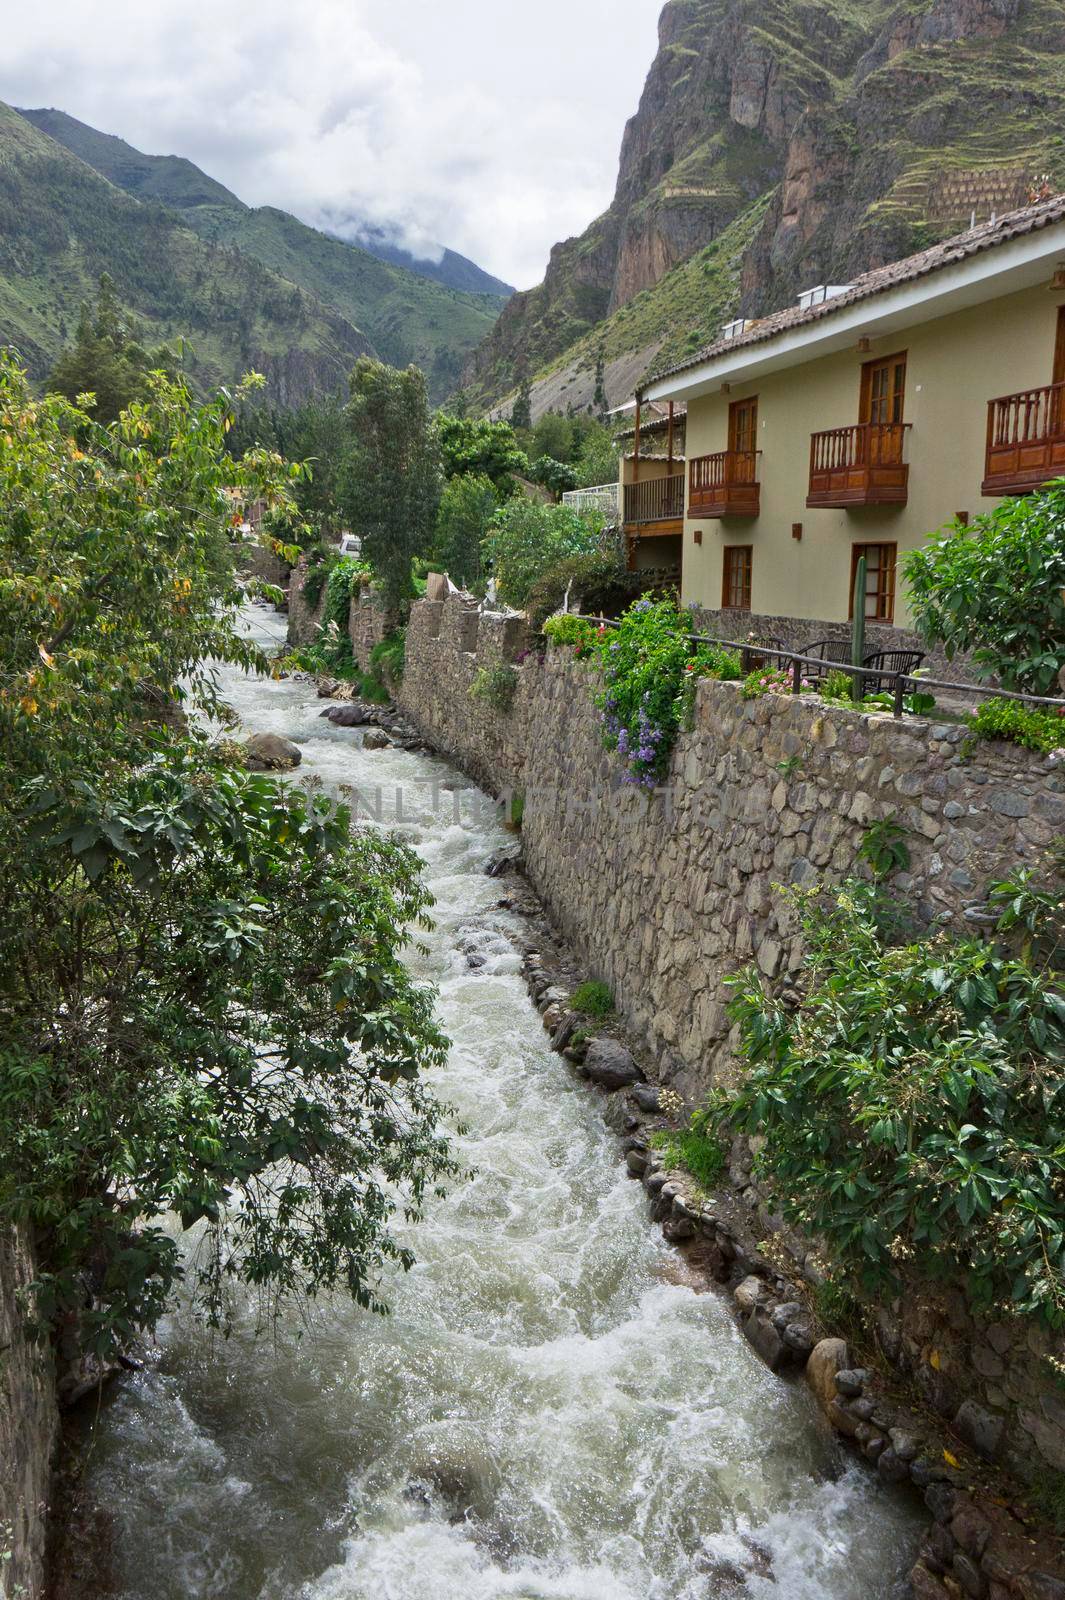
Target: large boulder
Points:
x,y
269,752
610,1065
354,716
826,1359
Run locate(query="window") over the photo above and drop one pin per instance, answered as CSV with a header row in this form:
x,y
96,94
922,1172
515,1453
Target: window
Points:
x,y
736,584
879,580
743,425
883,389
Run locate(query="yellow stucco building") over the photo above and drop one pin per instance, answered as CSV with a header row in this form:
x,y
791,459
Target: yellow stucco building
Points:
x,y
858,421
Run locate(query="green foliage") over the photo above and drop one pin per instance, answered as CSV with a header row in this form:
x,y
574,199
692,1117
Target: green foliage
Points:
x,y
106,360
516,810
567,630
496,686
315,433
598,459
838,687
1035,727
321,559
696,1149
596,583
913,1109
467,507
593,999
527,539
521,414
205,1010
553,437
838,1309
557,476
388,659
884,847
346,577
484,449
390,480
651,668
997,589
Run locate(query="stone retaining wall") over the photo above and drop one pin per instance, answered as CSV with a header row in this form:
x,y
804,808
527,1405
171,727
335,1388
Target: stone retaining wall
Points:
x,y
665,896
28,1428
304,620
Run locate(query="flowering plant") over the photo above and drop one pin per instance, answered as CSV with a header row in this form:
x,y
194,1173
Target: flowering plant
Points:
x,y
770,680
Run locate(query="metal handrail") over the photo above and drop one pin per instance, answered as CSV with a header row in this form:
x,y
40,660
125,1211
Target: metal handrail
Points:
x,y
900,681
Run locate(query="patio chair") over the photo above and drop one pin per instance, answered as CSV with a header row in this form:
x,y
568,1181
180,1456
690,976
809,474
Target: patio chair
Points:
x,y
834,653
891,664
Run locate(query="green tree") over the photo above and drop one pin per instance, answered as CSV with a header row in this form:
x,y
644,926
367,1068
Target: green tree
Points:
x,y
554,475
553,436
390,478
598,459
476,445
105,359
521,414
314,433
205,1011
528,538
466,510
997,588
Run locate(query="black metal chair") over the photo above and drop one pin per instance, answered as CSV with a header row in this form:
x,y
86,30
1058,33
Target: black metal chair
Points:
x,y
752,661
834,653
891,664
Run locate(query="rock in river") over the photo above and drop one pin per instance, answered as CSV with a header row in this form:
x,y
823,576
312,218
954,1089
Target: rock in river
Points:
x,y
609,1064
269,752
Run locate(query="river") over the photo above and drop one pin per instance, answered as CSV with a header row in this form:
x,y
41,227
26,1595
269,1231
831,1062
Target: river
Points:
x,y
552,1412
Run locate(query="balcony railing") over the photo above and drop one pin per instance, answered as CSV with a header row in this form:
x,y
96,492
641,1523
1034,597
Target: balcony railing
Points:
x,y
859,466
724,485
656,500
1025,440
604,498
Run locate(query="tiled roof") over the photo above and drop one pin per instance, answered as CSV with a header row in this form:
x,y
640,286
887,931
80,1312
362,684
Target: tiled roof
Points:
x,y
985,236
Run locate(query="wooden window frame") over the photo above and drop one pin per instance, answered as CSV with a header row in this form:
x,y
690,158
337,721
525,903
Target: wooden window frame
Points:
x,y
865,396
745,553
735,410
885,593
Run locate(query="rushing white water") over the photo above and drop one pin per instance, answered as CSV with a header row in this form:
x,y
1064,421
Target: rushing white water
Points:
x,y
552,1412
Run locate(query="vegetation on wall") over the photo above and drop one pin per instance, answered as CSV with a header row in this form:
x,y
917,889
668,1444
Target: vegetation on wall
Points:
x,y
205,1009
997,588
912,1110
1033,727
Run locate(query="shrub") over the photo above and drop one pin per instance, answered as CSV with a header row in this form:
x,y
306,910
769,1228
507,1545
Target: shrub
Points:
x,y
345,575
527,539
913,1109
1034,727
768,680
595,583
566,629
651,667
388,659
997,588
697,1149
495,685
321,558
838,687
558,476
593,999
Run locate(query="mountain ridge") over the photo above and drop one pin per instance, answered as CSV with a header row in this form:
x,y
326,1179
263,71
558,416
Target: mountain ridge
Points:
x,y
178,182
247,287
779,144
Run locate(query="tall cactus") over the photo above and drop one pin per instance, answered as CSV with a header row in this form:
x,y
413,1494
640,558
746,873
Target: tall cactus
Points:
x,y
858,626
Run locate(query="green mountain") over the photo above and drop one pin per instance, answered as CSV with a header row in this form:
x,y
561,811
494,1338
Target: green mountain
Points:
x,y
62,225
780,144
246,288
400,305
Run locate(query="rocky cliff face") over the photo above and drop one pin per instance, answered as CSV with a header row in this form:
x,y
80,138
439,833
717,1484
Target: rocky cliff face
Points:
x,y
860,130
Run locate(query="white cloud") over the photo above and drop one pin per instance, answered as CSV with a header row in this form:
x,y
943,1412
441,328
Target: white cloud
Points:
x,y
440,121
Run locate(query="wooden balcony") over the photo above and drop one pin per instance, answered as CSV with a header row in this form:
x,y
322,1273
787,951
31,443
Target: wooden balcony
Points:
x,y
655,506
724,485
859,466
1025,440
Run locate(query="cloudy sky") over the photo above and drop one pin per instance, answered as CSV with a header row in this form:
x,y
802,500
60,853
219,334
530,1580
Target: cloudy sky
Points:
x,y
488,127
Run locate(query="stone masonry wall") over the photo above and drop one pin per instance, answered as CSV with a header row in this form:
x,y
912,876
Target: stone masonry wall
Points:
x,y
28,1426
303,620
665,896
